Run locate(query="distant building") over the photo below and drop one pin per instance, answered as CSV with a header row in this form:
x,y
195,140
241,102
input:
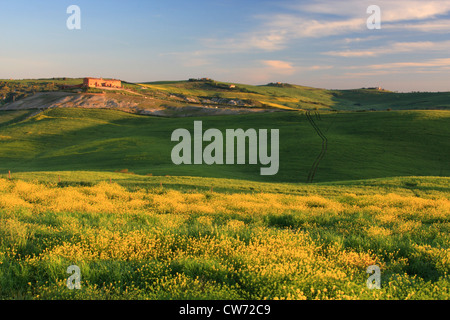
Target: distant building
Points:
x,y
232,86
101,83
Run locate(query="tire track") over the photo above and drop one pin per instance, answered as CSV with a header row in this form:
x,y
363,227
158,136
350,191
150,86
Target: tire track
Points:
x,y
315,166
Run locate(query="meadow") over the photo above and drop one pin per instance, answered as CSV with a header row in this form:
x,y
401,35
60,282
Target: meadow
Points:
x,y
96,188
361,145
154,238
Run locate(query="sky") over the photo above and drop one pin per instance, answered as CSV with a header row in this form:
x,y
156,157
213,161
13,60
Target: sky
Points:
x,y
322,43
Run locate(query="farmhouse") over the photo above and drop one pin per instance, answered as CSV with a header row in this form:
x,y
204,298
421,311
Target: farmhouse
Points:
x,y
101,83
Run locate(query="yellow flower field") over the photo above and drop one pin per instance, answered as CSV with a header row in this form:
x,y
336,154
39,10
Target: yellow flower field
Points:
x,y
166,244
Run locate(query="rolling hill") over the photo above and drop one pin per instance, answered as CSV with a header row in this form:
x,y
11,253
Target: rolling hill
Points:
x,y
86,178
209,97
361,145
43,128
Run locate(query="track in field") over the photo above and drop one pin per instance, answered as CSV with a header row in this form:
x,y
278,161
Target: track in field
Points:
x,y
315,166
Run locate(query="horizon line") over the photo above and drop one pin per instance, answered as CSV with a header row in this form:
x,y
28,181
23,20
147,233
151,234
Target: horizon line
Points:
x,y
181,80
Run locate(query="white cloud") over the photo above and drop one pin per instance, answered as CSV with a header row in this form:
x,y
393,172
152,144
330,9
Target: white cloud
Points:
x,y
392,11
280,30
417,67
352,53
433,26
433,66
277,64
319,67
367,74
278,67
413,10
433,63
395,48
308,21
359,40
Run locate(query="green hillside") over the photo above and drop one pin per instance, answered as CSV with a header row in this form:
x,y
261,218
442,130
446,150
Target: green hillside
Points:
x,y
361,145
301,97
162,94
383,100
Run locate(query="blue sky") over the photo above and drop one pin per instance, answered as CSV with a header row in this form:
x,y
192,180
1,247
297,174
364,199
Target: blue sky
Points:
x,y
322,43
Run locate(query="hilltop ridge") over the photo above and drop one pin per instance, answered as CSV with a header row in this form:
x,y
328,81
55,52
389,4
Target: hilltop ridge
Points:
x,y
208,97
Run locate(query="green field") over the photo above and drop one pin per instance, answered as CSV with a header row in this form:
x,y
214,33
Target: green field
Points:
x,y
360,145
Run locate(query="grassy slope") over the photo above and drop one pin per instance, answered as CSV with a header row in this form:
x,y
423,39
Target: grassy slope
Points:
x,y
405,186
157,243
360,145
382,100
301,97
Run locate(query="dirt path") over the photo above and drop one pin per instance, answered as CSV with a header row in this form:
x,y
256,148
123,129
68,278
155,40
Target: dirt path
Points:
x,y
315,166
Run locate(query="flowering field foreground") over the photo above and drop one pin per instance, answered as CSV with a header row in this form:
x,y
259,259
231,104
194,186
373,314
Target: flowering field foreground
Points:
x,y
158,243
